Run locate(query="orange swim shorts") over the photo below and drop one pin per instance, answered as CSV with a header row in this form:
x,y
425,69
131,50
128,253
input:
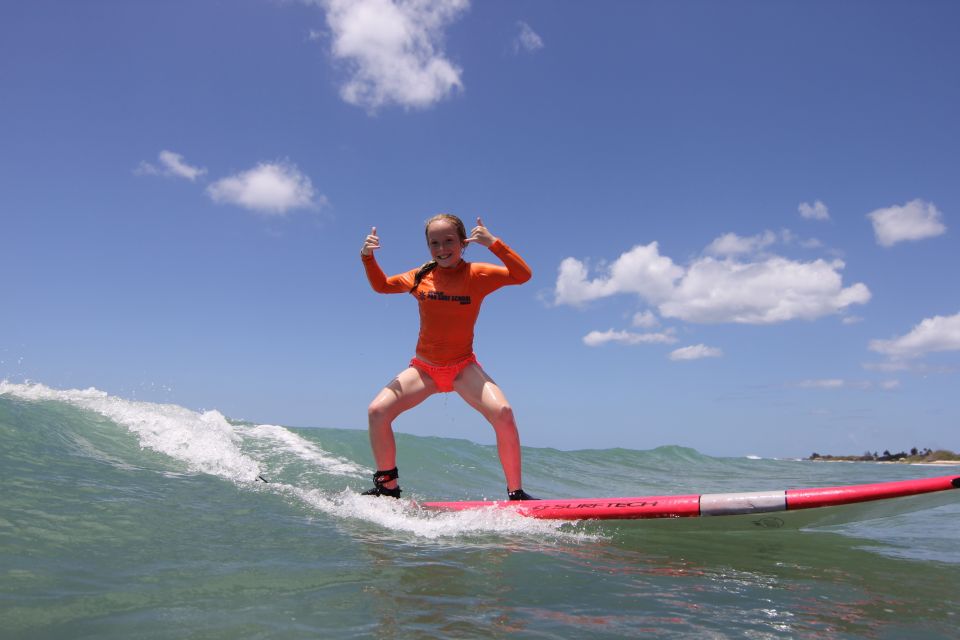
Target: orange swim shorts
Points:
x,y
444,375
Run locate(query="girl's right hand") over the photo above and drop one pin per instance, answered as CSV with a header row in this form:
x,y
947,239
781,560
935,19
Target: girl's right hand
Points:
x,y
371,244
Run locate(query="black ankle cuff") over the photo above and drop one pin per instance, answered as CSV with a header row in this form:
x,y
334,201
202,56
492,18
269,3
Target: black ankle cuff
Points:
x,y
381,477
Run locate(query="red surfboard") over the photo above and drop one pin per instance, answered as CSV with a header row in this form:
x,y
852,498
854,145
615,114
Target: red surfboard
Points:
x,y
767,509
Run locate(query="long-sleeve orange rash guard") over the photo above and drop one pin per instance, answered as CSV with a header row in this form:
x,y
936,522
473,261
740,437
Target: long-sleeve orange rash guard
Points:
x,y
449,299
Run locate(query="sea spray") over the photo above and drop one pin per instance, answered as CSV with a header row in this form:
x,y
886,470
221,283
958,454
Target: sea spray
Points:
x,y
206,441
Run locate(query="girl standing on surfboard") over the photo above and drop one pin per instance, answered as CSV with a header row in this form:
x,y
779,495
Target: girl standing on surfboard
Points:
x,y
449,292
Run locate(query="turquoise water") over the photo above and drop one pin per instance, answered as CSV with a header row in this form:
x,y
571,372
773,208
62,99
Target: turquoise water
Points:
x,y
122,519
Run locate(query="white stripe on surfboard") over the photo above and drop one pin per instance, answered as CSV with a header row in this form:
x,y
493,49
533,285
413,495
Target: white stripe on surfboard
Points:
x,y
728,504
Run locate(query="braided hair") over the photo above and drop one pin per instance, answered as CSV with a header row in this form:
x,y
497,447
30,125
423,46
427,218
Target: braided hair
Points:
x,y
432,264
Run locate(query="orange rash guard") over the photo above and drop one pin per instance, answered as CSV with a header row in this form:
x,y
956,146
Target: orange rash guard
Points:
x,y
449,299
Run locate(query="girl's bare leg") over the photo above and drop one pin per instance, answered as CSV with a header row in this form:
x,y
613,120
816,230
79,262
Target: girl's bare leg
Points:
x,y
483,394
407,390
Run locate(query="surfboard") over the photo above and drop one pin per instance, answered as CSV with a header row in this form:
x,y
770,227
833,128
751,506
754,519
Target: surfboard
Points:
x,y
791,508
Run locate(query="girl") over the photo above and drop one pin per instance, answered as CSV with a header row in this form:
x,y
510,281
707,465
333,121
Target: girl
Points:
x,y
449,292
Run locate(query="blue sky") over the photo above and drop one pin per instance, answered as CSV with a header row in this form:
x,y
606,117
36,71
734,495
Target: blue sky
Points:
x,y
741,217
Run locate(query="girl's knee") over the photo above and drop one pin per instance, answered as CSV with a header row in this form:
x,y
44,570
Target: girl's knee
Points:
x,y
502,415
378,412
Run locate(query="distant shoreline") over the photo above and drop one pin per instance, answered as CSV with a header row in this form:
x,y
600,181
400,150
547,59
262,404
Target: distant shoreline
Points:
x,y
928,463
941,457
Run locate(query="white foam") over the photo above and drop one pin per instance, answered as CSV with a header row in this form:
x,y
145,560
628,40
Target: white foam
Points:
x,y
278,436
406,517
205,441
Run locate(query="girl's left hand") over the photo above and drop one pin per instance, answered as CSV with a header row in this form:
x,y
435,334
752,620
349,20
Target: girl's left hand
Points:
x,y
481,235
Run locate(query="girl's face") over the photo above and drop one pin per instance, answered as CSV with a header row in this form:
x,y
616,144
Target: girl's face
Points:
x,y
444,243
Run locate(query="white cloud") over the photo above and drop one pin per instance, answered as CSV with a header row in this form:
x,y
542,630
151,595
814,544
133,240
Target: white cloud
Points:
x,y
176,166
912,366
171,165
641,270
645,319
597,338
891,366
915,220
765,291
811,243
815,211
836,383
393,49
828,383
695,352
789,237
939,333
527,39
271,188
730,244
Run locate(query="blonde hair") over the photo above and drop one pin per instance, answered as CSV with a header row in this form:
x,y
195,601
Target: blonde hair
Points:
x,y
432,264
